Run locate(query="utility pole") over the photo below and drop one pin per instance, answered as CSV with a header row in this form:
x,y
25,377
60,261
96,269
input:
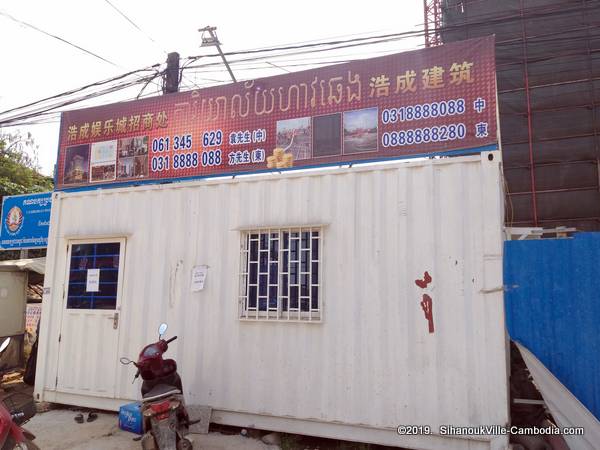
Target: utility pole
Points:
x,y
213,40
171,77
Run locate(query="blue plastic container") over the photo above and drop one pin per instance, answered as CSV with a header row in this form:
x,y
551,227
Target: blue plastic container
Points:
x,y
130,418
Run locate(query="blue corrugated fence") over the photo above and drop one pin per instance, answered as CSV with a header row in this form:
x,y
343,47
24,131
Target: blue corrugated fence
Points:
x,y
553,308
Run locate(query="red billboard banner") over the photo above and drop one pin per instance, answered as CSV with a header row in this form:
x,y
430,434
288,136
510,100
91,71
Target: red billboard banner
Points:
x,y
434,100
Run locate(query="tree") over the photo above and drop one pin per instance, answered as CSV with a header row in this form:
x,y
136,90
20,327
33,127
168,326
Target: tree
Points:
x,y
19,168
19,174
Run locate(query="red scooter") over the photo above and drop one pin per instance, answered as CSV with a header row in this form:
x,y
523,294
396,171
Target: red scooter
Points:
x,y
12,436
166,421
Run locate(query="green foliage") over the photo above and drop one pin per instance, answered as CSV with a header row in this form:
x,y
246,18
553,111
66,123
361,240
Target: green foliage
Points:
x,y
19,169
19,174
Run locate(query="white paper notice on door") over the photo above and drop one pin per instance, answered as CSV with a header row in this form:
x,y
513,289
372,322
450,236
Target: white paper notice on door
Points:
x,y
93,280
198,277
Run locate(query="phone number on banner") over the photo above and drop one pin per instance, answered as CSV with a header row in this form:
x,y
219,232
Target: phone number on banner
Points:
x,y
425,135
186,160
432,110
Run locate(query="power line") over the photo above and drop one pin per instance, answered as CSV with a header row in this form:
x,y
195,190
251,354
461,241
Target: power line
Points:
x,y
54,116
146,85
323,39
286,51
57,38
282,61
278,67
258,58
402,35
134,24
398,36
87,86
30,114
44,109
253,63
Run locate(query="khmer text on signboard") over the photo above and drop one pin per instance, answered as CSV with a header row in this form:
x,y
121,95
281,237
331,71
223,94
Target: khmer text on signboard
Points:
x,y
434,100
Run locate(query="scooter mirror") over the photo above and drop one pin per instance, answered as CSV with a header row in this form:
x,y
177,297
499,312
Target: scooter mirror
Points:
x,y
125,361
162,329
4,344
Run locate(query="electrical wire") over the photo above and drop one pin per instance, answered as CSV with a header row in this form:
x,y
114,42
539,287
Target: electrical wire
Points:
x,y
259,58
145,86
535,13
39,30
270,56
82,88
251,65
308,62
391,36
322,39
108,90
21,22
134,25
27,115
237,62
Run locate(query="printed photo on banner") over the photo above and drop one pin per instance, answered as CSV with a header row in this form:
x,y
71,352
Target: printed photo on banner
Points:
x,y
140,166
133,146
360,130
77,163
394,106
295,136
125,169
327,135
103,161
133,157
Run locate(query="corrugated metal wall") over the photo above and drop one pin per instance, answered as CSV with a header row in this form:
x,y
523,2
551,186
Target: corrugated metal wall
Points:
x,y
552,308
371,361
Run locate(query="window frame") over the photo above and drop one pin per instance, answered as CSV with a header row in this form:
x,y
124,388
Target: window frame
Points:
x,y
279,315
122,241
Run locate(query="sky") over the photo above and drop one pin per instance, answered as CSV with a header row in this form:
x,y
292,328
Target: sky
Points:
x,y
363,118
37,66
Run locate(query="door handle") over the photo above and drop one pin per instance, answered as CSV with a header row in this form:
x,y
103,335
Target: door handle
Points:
x,y
115,319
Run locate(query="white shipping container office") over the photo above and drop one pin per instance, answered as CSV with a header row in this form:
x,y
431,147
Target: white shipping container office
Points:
x,y
310,320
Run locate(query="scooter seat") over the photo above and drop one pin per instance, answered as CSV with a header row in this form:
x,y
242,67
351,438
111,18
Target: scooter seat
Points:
x,y
160,391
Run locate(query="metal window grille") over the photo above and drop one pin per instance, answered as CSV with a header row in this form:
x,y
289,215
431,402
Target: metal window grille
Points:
x,y
280,274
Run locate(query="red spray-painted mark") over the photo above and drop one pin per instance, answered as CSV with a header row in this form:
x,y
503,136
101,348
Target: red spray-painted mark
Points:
x,y
427,302
427,306
425,281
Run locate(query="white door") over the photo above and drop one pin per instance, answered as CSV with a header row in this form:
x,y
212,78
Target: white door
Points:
x,y
89,337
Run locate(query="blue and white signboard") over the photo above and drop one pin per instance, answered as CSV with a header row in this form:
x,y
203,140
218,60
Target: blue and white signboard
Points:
x,y
25,221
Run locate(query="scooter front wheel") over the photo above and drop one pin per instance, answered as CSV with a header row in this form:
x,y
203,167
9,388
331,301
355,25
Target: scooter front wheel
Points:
x,y
148,442
185,444
26,445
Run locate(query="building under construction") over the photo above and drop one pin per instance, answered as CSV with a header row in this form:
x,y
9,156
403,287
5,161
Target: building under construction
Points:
x,y
548,72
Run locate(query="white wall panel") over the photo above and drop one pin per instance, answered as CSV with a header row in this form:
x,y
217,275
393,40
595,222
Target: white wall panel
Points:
x,y
371,361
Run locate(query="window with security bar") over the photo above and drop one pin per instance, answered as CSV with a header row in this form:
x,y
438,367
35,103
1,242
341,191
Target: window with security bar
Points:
x,y
103,258
280,276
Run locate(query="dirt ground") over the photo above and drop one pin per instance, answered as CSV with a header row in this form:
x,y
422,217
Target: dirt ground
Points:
x,y
57,430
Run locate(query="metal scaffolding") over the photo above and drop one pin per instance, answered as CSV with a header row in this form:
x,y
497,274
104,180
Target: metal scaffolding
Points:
x,y
548,72
433,22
